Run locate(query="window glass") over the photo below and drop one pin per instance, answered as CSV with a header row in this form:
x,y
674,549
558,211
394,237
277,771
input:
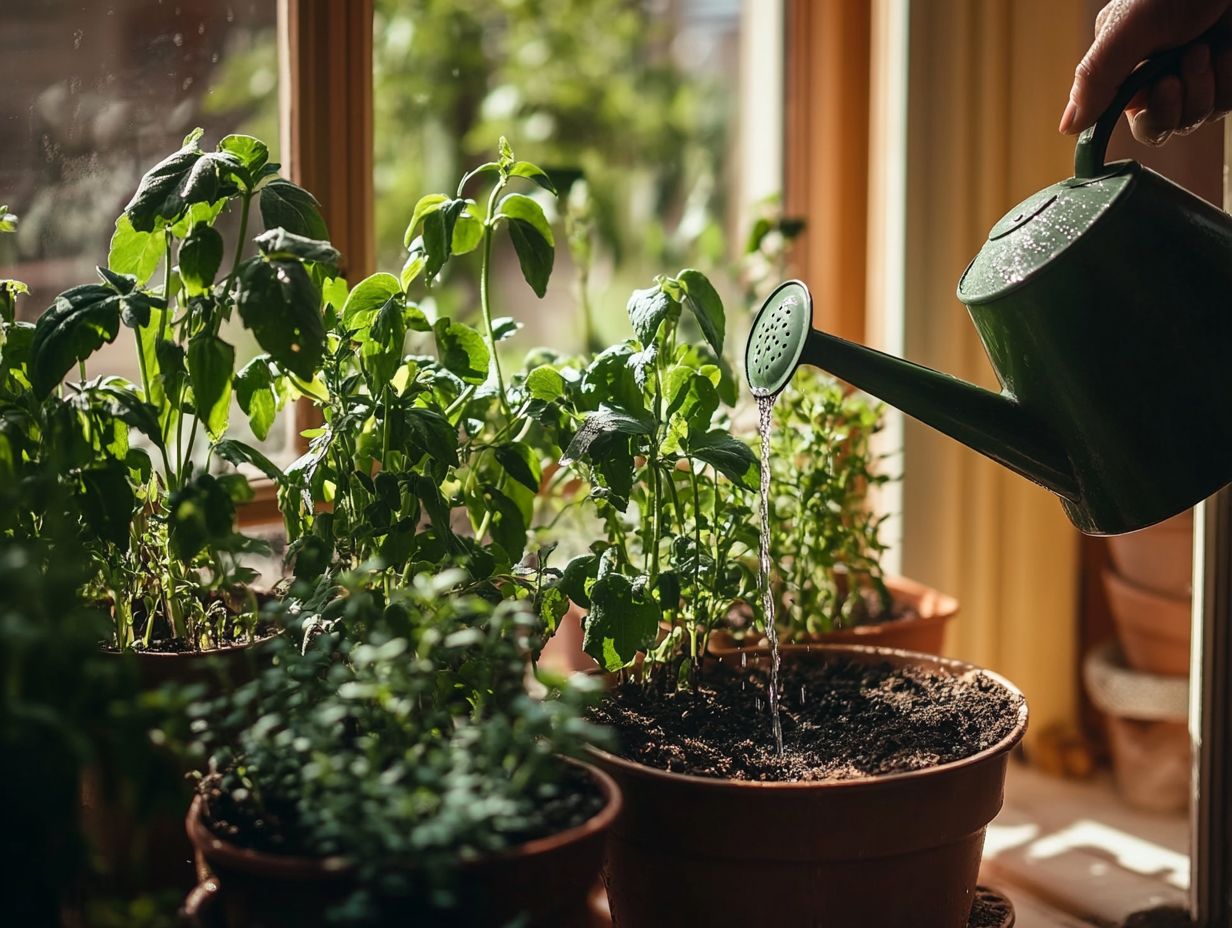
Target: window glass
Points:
x,y
95,94
637,98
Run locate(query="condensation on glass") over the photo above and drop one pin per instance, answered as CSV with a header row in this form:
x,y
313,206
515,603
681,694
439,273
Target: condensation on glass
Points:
x,y
97,92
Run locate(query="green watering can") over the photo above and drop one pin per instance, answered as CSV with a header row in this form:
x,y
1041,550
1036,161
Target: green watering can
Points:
x,y
1104,303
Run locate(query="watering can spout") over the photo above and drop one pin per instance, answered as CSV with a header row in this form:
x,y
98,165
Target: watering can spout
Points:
x,y
992,423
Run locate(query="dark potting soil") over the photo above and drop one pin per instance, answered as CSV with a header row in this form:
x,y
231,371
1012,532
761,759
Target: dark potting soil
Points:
x,y
841,720
274,829
990,910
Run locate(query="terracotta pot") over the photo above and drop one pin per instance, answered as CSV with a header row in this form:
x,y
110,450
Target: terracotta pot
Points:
x,y
1159,558
550,881
1148,730
1153,629
922,628
145,848
883,852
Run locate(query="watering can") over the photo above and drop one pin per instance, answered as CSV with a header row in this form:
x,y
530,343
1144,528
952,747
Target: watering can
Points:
x,y
1104,303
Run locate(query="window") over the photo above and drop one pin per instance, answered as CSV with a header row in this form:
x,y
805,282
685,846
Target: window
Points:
x,y
103,91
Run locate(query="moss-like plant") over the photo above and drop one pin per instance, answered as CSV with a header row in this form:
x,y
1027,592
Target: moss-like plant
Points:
x,y
400,737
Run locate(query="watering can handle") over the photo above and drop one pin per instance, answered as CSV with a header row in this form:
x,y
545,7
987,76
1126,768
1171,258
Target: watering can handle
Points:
x,y
1093,142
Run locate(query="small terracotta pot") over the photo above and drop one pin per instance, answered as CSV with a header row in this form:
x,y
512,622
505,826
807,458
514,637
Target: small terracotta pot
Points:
x,y
922,628
898,850
1159,558
150,851
550,881
1153,629
1148,729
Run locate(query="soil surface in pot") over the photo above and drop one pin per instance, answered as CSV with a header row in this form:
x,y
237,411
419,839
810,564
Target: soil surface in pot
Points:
x,y
841,720
274,830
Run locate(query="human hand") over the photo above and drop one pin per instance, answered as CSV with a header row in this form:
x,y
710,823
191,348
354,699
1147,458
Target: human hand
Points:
x,y
1128,31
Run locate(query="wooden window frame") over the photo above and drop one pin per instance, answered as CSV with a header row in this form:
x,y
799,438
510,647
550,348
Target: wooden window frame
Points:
x,y
325,116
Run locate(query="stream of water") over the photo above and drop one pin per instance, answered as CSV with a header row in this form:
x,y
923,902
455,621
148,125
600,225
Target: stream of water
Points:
x,y
765,405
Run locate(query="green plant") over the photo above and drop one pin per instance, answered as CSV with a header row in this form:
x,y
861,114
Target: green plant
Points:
x,y
411,441
159,522
644,423
401,737
824,535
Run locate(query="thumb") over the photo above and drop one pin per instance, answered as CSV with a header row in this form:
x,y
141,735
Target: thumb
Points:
x,y
1129,31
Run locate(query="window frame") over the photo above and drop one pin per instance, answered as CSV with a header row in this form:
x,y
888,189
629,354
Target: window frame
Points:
x,y
325,121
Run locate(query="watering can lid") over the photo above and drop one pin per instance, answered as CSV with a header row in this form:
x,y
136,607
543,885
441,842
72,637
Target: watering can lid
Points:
x,y
1036,231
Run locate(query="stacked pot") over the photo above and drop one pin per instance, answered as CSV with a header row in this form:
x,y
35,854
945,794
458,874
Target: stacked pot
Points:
x,y
1141,681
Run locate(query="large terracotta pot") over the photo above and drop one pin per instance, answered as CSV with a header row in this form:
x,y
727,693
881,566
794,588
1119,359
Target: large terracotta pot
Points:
x,y
1153,629
899,851
548,881
922,628
1158,559
145,847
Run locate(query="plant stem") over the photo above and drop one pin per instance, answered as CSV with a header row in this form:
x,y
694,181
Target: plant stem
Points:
x,y
485,299
239,242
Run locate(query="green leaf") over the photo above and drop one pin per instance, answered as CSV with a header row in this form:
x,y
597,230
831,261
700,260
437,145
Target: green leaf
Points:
x,y
692,398
200,257
504,327
414,264
9,291
642,364
237,487
703,301
508,525
610,379
467,230
462,350
545,383
199,514
254,390
252,154
732,458
369,295
158,195
211,363
237,453
615,469
288,206
598,425
621,623
77,324
107,503
133,252
532,239
426,205
278,243
382,350
438,228
552,606
432,434
281,306
534,173
128,407
8,221
519,463
577,575
647,311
